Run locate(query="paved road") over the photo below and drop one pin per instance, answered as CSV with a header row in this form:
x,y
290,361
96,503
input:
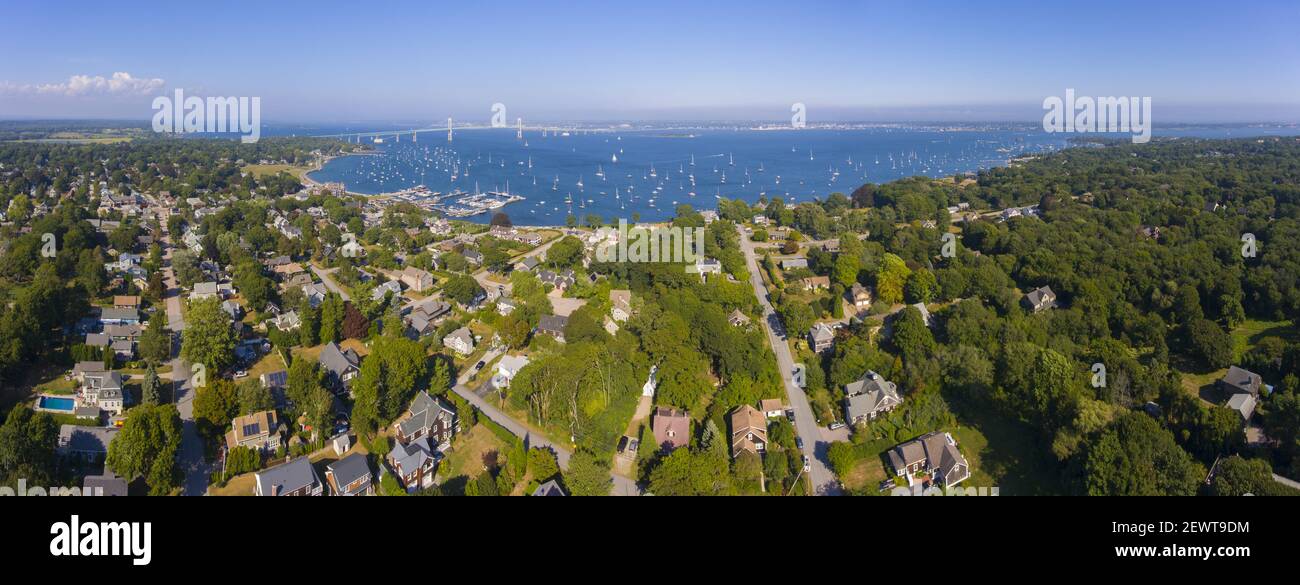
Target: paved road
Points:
x,y
324,276
815,439
190,459
1286,482
622,486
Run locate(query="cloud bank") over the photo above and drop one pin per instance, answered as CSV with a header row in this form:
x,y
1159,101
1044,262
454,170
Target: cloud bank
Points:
x,y
120,83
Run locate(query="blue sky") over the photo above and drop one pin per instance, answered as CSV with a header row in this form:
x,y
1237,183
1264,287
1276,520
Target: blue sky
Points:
x,y
326,61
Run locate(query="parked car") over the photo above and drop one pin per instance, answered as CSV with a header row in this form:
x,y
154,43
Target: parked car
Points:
x,y
479,365
241,374
836,426
798,442
807,464
789,414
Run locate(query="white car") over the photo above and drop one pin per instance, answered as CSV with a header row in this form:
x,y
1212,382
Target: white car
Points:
x,y
241,374
807,464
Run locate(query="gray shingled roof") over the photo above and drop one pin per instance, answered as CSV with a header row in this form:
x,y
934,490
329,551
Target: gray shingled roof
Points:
x,y
349,469
287,477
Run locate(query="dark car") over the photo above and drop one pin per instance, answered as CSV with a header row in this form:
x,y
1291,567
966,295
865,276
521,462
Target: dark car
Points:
x,y
479,366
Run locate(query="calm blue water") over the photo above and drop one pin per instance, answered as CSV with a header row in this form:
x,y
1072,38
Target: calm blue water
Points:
x,y
798,165
53,403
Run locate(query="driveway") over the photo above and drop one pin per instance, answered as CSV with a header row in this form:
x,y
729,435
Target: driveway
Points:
x,y
623,486
324,276
816,440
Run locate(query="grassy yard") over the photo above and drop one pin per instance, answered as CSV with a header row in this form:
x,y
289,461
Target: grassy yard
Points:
x,y
260,171
466,454
1250,332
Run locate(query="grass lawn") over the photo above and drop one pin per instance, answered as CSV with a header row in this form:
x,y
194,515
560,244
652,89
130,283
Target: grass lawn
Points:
x,y
269,363
1004,453
1202,386
466,454
1250,332
260,171
59,385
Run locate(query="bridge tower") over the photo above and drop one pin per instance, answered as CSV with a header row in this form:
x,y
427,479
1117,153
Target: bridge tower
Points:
x,y
448,129
519,133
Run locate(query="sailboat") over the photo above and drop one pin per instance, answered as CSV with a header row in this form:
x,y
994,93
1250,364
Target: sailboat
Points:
x,y
614,158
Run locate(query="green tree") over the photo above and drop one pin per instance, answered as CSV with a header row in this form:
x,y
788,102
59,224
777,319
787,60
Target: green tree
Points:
x,y
208,338
147,446
587,475
155,342
27,441
151,387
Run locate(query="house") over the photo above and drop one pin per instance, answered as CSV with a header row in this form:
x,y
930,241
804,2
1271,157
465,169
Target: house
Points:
x,y
861,296
820,337
527,264
737,318
382,290
707,266
671,427
934,454
416,279
506,305
341,443
124,332
771,407
553,325
273,380
340,366
831,246
126,302
709,216
315,293
550,488
1039,299
233,309
104,390
761,220
260,431
869,397
817,282
204,290
1244,404
1240,381
85,442
294,478
474,257
287,321
559,280
116,316
413,463
98,340
427,416
621,301
350,476
461,341
108,484
83,369
793,263
507,368
123,349
748,431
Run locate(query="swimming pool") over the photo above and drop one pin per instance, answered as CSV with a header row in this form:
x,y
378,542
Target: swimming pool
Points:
x,y
57,403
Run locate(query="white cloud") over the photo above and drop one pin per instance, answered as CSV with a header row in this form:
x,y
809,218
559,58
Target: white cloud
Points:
x,y
120,83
